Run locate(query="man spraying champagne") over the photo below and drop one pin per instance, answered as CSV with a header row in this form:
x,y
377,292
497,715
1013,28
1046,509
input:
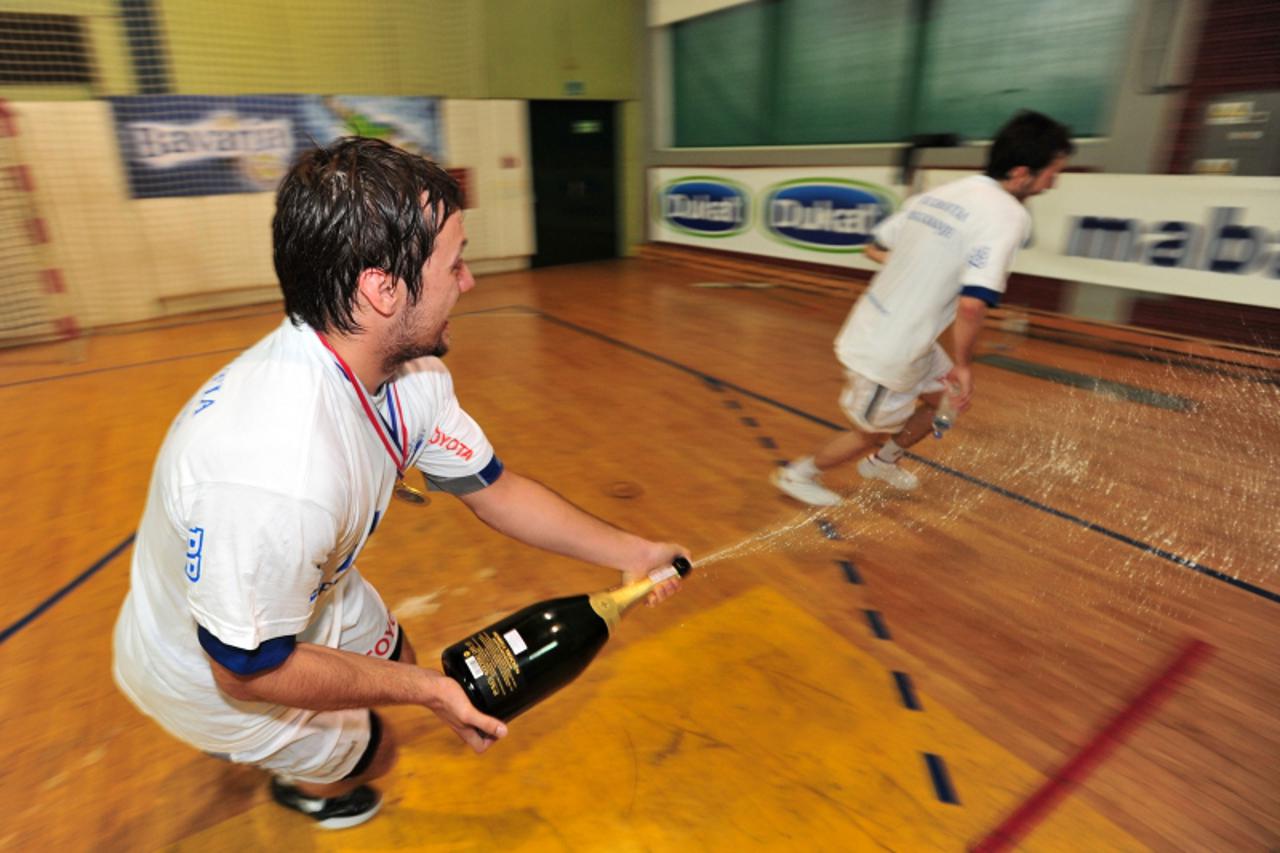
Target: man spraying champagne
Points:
x,y
270,648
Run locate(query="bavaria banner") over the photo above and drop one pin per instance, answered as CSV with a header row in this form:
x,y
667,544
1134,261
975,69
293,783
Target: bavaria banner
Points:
x,y
188,145
1208,237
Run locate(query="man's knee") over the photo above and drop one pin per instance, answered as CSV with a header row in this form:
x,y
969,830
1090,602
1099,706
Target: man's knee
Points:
x,y
380,754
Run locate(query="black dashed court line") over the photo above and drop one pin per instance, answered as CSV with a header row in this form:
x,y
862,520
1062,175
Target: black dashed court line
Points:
x,y
941,779
876,621
907,691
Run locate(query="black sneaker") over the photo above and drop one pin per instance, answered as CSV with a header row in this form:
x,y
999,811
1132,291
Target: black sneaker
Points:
x,y
351,809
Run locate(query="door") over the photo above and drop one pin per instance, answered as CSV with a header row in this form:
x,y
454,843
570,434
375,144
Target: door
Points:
x,y
574,181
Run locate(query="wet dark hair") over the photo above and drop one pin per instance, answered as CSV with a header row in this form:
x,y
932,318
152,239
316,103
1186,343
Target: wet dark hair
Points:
x,y
353,205
1028,139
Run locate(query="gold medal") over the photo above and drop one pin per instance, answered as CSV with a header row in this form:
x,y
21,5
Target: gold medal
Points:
x,y
410,494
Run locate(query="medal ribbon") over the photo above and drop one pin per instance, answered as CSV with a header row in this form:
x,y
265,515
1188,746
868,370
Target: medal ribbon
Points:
x,y
397,445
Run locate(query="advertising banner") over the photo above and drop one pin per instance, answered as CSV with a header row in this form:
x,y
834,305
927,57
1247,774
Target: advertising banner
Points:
x,y
824,216
1186,235
189,145
1201,236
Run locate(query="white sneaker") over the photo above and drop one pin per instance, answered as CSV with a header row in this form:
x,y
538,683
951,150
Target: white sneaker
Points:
x,y
892,473
803,489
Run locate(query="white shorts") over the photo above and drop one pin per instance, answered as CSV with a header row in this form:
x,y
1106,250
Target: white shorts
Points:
x,y
324,746
873,407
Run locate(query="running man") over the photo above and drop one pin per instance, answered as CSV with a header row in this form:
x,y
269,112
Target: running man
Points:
x,y
946,257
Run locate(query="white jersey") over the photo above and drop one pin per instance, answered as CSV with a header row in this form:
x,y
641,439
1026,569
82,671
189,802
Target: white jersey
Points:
x,y
269,483
959,238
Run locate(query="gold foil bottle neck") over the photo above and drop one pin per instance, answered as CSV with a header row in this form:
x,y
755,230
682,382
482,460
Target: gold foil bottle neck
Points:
x,y
611,604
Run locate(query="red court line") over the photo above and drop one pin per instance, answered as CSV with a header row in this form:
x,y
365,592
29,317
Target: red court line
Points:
x,y
1038,806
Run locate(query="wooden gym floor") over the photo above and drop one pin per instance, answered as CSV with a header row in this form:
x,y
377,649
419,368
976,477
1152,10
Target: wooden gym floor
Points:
x,y
1068,639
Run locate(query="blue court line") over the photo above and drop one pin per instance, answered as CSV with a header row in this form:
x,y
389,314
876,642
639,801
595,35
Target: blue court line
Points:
x,y
1176,358
129,366
1087,382
1185,562
1146,547
714,382
941,779
57,596
238,349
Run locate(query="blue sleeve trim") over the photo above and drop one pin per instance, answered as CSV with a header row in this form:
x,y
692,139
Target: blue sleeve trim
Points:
x,y
491,472
986,294
469,484
270,654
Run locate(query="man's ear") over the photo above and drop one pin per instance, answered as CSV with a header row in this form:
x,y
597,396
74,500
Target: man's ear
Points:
x,y
378,290
1018,174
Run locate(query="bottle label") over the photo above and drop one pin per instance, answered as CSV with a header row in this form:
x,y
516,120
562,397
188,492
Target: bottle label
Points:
x,y
495,661
515,641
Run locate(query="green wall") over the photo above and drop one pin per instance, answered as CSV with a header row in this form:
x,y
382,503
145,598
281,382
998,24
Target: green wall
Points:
x,y
535,47
454,48
844,72
391,47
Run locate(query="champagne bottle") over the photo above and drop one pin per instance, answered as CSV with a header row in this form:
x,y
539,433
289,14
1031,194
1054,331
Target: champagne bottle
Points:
x,y
522,659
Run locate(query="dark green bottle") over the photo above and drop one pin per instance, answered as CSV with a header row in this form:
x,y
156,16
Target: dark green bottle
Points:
x,y
518,661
